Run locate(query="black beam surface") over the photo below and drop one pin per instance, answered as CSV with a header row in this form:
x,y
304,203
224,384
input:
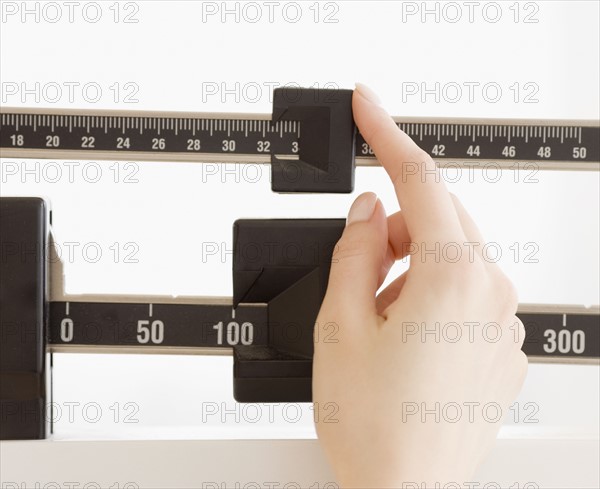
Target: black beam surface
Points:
x,y
551,335
154,134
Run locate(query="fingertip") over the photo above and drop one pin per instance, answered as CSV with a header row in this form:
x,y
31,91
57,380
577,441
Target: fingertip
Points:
x,y
363,208
367,93
358,257
380,213
366,107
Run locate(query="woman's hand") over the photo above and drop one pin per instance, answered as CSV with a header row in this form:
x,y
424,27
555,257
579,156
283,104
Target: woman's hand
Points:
x,y
421,374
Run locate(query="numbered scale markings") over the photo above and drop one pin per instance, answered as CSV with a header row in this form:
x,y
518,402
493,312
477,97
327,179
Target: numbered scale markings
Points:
x,y
122,325
244,138
566,336
552,333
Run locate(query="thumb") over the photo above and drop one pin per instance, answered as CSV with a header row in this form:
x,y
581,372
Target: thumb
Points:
x,y
357,260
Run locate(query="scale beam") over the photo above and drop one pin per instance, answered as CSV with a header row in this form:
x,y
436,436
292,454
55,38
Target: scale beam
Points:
x,y
252,138
554,334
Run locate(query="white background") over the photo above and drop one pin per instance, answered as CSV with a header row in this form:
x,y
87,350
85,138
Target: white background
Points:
x,y
173,55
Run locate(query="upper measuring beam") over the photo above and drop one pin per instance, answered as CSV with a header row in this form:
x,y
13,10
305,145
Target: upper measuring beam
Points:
x,y
320,119
254,138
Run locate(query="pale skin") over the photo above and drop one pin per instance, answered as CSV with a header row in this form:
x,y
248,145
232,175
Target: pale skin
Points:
x,y
382,367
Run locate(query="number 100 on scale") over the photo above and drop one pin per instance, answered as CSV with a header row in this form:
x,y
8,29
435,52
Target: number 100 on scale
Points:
x,y
234,333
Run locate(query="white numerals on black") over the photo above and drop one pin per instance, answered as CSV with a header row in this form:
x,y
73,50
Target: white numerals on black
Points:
x,y
193,145
66,330
150,332
474,151
366,149
263,146
17,140
544,152
228,145
123,143
234,333
564,341
158,144
52,141
509,152
439,150
88,142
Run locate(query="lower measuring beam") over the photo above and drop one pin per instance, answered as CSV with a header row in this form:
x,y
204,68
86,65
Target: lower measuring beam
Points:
x,y
563,334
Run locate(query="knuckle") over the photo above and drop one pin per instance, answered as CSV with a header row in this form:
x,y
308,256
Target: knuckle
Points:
x,y
348,248
472,273
469,273
509,294
522,366
347,254
468,278
505,291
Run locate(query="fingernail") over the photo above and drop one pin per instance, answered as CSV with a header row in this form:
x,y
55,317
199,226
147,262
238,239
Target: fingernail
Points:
x,y
363,208
367,93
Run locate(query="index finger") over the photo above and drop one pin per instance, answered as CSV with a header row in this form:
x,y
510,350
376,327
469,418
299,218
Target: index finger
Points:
x,y
425,202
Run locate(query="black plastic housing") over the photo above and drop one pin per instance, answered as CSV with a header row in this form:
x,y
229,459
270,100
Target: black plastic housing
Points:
x,y
327,141
23,239
284,263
